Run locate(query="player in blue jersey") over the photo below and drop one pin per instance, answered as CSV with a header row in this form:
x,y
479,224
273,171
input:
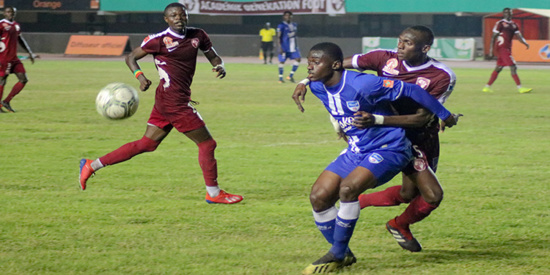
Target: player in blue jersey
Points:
x,y
288,46
374,155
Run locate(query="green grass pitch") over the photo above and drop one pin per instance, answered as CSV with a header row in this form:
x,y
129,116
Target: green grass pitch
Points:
x,y
148,215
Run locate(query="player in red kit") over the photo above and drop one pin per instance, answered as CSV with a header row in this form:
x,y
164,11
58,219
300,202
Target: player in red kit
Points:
x,y
503,33
420,187
10,35
175,56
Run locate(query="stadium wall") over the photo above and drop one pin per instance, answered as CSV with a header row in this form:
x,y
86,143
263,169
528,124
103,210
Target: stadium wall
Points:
x,y
225,45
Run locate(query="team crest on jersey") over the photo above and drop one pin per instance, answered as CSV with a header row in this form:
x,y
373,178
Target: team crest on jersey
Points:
x,y
353,105
423,82
375,158
391,64
195,43
388,83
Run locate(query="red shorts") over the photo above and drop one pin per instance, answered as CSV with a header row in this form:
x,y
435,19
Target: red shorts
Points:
x,y
10,67
505,57
185,120
425,150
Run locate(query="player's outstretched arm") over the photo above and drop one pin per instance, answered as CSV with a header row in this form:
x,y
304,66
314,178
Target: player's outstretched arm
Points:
x,y
131,60
299,94
451,121
217,62
364,120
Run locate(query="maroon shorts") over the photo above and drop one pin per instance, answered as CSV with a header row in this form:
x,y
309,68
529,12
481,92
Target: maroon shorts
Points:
x,y
505,58
10,67
184,120
425,151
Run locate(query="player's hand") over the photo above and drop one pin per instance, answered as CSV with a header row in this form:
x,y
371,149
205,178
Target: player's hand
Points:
x,y
451,121
221,71
144,83
363,120
299,95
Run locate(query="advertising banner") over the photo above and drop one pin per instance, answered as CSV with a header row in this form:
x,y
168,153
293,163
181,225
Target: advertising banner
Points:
x,y
96,45
539,51
442,48
51,5
233,7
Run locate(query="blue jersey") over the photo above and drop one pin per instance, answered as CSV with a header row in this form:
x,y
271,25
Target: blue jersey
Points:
x,y
287,37
372,94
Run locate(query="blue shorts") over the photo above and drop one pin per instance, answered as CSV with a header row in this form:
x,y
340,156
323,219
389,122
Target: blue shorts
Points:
x,y
289,55
384,164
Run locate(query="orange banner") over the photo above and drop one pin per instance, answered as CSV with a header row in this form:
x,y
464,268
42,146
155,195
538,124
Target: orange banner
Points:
x,y
96,45
539,51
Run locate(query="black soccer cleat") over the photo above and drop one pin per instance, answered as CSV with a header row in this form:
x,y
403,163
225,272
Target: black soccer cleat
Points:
x,y
7,106
403,236
325,264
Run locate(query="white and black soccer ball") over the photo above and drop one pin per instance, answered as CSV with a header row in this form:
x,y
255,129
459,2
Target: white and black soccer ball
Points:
x,y
117,101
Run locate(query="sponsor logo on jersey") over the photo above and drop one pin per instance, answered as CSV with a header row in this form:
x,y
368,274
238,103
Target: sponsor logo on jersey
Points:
x,y
170,44
6,26
391,64
388,83
423,82
195,43
375,158
353,105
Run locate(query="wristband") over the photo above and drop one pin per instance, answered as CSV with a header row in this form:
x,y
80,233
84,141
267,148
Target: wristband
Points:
x,y
305,81
137,73
378,119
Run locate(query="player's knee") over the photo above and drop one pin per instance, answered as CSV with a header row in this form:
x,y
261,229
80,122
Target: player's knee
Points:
x,y
433,197
208,145
146,144
407,194
349,192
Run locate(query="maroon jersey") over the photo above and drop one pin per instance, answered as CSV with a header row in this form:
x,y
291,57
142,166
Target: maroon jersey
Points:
x,y
506,31
433,76
176,59
9,35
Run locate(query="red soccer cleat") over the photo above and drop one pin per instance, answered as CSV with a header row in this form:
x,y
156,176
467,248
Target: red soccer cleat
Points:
x,y
403,236
86,171
223,197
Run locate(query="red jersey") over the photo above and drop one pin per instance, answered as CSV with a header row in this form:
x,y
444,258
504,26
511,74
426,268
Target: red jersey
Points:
x,y
9,35
506,31
433,76
176,59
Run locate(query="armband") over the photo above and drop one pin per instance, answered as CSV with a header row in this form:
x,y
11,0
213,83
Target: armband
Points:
x,y
305,81
137,73
378,119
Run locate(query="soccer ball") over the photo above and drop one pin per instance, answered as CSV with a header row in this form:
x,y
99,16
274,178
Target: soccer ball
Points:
x,y
117,101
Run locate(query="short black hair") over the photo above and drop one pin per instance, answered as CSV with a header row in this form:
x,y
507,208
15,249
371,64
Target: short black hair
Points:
x,y
175,5
505,9
330,49
426,33
289,12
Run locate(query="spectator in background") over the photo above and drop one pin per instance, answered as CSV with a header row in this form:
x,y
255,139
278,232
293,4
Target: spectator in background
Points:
x,y
503,33
267,33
